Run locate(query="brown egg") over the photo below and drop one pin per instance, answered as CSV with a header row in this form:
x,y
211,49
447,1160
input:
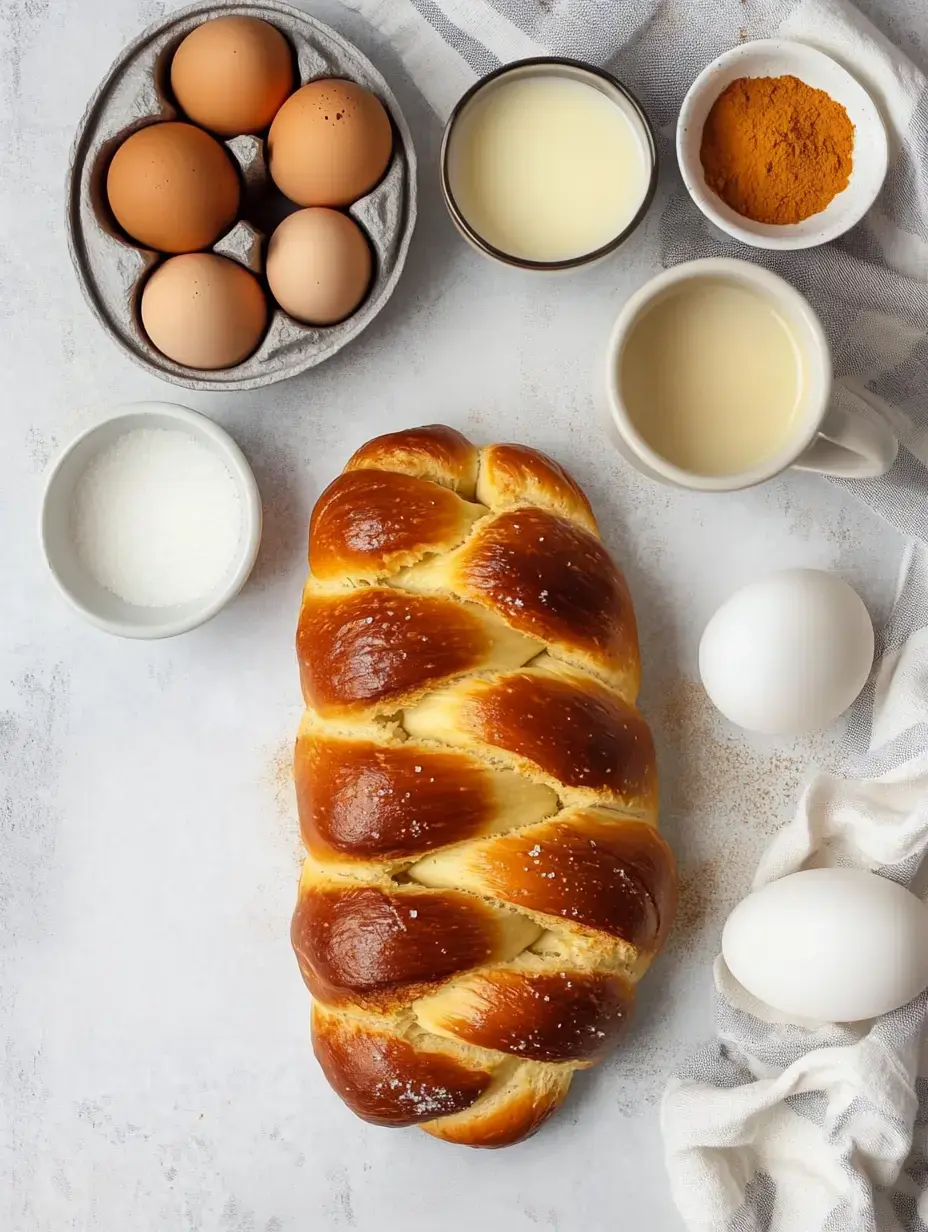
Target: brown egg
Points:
x,y
319,266
330,143
204,311
173,187
232,74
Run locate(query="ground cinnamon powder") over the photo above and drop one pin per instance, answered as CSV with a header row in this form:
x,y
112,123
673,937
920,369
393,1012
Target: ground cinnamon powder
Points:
x,y
775,149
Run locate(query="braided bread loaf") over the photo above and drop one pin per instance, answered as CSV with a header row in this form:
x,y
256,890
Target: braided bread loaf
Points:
x,y
485,882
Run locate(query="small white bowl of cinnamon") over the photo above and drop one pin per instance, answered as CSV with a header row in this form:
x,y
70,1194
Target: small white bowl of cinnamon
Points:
x,y
780,146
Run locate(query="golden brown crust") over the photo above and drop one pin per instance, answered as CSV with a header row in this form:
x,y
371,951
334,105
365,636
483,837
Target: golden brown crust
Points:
x,y
587,739
360,800
367,946
593,744
597,870
477,792
541,1016
369,524
518,475
509,1112
433,452
554,581
386,1080
377,648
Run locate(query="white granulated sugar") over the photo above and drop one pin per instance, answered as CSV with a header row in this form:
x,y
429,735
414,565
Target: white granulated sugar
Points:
x,y
157,518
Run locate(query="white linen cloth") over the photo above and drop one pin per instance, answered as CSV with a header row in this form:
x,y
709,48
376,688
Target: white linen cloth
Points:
x,y
789,1129
777,1128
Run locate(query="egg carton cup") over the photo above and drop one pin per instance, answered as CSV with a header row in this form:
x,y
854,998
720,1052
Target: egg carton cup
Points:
x,y
112,271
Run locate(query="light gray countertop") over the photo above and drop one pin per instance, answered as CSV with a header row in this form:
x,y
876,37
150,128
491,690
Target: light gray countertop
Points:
x,y
155,1070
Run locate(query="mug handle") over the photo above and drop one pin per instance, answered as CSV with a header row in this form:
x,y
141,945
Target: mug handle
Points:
x,y
850,445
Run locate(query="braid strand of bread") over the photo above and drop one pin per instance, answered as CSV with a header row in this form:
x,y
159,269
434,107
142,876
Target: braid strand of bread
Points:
x,y
484,882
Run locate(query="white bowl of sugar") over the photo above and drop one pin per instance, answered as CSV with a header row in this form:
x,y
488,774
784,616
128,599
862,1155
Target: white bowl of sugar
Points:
x,y
151,521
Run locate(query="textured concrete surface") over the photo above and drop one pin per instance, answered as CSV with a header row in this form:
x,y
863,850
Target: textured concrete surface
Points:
x,y
155,1070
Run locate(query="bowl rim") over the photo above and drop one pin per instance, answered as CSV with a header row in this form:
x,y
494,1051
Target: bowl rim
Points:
x,y
506,258
702,196
252,514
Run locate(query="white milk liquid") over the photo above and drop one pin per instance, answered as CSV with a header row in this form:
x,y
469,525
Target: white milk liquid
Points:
x,y
547,168
711,377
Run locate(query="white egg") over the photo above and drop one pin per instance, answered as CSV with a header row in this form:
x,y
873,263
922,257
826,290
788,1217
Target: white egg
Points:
x,y
830,944
788,654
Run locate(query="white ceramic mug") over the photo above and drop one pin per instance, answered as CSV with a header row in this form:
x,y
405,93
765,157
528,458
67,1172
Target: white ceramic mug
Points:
x,y
831,439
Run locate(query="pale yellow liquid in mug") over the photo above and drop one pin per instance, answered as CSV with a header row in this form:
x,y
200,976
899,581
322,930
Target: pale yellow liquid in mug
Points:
x,y
547,168
711,377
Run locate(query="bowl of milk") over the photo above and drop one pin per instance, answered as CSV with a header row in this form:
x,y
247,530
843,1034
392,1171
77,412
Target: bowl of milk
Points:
x,y
548,164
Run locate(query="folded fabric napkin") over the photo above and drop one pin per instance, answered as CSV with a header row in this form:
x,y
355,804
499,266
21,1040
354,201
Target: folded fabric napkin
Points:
x,y
777,1128
786,1129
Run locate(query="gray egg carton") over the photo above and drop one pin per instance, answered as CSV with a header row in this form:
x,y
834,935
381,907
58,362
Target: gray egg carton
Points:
x,y
112,270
